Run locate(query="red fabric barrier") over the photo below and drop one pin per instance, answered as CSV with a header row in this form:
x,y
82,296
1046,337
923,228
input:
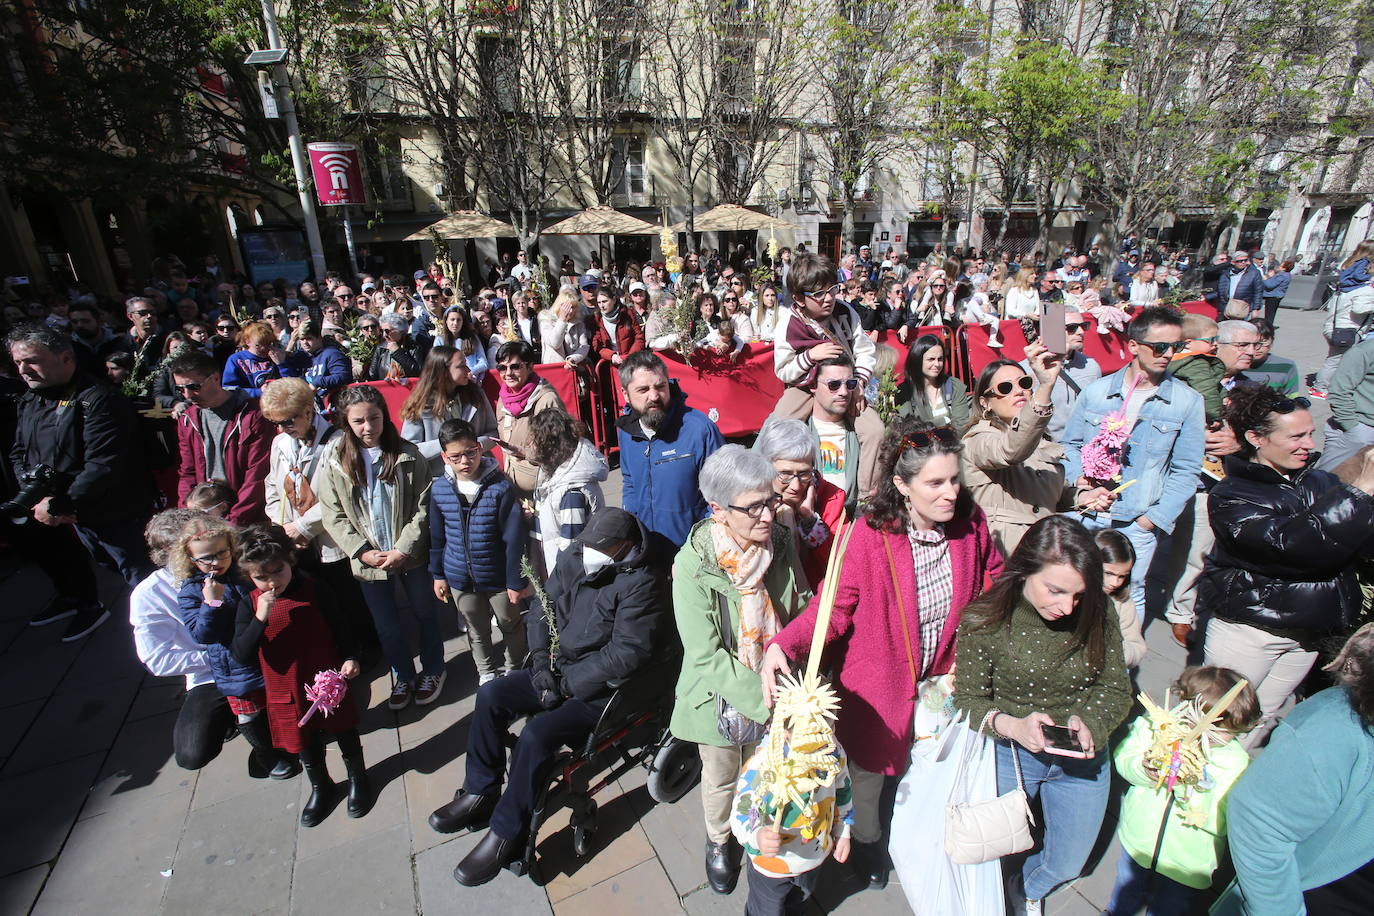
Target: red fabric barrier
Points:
x,y
1108,349
563,380
1200,307
738,396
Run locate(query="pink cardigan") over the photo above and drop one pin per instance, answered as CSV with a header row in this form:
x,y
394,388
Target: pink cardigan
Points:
x,y
865,646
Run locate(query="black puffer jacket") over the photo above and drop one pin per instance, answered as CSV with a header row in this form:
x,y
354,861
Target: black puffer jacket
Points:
x,y
1285,549
610,625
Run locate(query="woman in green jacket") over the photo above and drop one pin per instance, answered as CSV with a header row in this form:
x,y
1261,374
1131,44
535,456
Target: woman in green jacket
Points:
x,y
375,495
928,392
734,588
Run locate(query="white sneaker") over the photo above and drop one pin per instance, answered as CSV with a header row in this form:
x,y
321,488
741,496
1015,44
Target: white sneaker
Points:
x,y
485,678
1033,908
994,342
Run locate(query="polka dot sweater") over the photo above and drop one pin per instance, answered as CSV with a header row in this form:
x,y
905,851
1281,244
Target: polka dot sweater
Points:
x,y
1020,670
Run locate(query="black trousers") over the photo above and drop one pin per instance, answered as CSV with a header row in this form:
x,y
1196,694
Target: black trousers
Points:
x,y
200,728
1271,309
338,577
64,554
778,896
499,703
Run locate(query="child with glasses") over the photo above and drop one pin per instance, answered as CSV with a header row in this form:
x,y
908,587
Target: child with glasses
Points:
x,y
203,560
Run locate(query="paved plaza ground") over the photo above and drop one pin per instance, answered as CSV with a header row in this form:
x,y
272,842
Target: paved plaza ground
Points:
x,y
99,819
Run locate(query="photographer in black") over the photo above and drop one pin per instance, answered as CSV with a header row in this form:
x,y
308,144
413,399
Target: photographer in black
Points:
x,y
82,489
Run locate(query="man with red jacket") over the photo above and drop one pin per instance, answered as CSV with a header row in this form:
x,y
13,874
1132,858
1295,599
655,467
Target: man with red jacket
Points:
x,y
222,436
615,331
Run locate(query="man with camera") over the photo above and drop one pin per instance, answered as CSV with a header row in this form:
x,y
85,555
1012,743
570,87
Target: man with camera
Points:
x,y
81,484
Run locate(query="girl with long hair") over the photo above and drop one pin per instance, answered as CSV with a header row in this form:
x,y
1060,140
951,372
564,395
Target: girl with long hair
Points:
x,y
456,331
1042,650
1022,299
375,493
928,392
445,391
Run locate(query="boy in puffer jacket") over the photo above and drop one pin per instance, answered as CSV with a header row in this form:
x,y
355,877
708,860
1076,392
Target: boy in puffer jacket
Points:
x,y
477,540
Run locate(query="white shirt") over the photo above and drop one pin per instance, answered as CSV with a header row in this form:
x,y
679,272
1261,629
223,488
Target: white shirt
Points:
x,y
162,642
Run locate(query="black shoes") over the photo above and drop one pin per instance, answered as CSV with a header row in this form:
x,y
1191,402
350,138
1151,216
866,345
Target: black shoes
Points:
x,y
871,864
264,760
57,609
486,860
465,812
723,865
85,620
323,796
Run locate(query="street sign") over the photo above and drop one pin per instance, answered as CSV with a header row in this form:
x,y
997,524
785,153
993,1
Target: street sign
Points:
x,y
338,172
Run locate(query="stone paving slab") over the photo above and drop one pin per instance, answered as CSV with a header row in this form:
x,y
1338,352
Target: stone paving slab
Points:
x,y
642,889
368,874
39,808
75,722
19,890
505,894
140,770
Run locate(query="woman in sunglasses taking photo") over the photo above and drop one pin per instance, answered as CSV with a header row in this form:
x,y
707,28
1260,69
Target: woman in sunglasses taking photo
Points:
x,y
1281,575
914,561
1014,472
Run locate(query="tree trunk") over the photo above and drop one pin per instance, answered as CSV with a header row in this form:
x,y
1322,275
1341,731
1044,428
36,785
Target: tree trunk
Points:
x,y
847,222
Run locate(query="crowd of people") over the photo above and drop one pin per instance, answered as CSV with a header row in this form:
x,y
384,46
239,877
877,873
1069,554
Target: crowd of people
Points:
x,y
224,448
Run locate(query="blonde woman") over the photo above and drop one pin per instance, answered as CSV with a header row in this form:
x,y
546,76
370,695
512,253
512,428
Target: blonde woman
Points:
x,y
562,335
1022,300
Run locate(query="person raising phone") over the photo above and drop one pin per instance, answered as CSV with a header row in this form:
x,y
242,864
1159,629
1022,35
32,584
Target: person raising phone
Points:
x,y
1041,667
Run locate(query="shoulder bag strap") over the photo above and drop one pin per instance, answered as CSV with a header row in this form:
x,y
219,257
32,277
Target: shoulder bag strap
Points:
x,y
901,609
727,632
1016,762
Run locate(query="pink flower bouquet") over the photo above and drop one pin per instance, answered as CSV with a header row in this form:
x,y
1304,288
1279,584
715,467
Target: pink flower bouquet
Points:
x,y
1102,456
325,694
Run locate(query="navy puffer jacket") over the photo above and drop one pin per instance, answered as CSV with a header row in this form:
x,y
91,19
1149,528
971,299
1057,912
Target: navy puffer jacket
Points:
x,y
213,627
1285,552
477,545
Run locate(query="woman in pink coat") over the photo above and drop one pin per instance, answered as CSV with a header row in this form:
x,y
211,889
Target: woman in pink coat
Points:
x,y
922,532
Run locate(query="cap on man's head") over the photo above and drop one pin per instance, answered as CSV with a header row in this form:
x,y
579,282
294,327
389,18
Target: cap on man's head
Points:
x,y
609,527
419,275
369,286
638,287
589,281
865,248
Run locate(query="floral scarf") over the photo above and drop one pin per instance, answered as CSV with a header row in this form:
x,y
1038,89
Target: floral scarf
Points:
x,y
758,620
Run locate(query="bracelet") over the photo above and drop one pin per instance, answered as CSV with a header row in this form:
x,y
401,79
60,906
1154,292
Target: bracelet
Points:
x,y
1042,410
989,722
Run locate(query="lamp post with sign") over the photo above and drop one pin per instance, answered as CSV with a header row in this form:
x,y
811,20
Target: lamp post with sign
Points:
x,y
338,173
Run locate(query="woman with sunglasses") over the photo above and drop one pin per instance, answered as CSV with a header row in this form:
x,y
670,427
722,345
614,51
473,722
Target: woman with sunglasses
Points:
x,y
733,307
1013,469
920,554
1281,576
736,583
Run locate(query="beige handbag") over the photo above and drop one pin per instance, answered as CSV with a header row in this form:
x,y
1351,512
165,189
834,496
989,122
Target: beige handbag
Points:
x,y
986,830
1236,310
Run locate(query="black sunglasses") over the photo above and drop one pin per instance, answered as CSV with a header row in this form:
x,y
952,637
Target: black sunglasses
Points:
x,y
925,438
189,389
834,383
1025,383
1159,347
1288,405
144,313
1073,327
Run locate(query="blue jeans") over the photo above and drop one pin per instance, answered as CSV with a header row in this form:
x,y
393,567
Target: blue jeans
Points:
x,y
1073,797
1137,887
1144,543
381,601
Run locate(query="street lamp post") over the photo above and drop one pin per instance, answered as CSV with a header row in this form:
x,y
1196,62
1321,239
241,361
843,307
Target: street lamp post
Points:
x,y
275,58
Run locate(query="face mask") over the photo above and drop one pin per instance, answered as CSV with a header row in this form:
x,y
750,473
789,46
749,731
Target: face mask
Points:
x,y
593,560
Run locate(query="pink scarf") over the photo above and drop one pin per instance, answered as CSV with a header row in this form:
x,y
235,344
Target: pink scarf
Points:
x,y
515,399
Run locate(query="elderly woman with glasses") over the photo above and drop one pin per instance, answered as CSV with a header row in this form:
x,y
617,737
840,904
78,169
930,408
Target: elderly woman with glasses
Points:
x,y
397,356
812,507
1013,470
735,586
920,555
1281,576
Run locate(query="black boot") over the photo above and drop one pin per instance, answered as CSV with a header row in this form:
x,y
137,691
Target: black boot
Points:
x,y
323,792
722,866
870,864
359,791
265,760
465,812
486,860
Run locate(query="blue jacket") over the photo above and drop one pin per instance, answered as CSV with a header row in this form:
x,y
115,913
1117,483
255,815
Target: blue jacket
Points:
x,y
1354,276
477,547
1248,286
1276,287
248,373
213,627
660,474
328,369
1164,452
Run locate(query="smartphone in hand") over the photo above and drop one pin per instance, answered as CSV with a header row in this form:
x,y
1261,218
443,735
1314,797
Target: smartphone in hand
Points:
x,y
1052,332
1062,741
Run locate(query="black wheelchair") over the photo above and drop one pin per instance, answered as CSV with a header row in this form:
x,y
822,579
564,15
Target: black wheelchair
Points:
x,y
632,732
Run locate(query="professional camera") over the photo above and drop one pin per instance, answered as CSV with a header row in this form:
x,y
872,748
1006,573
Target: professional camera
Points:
x,y
35,486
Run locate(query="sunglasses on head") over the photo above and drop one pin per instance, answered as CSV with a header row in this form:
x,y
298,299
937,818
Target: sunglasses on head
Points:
x,y
1160,347
924,438
1288,405
834,383
1002,389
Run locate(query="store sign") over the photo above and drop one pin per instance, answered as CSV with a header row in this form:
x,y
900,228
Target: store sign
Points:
x,y
338,171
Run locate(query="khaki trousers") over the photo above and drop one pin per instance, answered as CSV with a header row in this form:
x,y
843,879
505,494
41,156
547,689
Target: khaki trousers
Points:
x,y
1273,665
867,791
1192,539
720,769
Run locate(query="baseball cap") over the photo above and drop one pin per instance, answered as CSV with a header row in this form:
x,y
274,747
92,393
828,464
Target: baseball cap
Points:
x,y
609,527
369,286
638,288
589,281
419,275
865,248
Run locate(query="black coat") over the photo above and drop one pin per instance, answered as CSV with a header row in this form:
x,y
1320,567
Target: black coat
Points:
x,y
1284,558
87,432
610,625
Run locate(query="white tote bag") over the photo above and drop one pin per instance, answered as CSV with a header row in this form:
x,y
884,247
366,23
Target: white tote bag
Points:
x,y
934,885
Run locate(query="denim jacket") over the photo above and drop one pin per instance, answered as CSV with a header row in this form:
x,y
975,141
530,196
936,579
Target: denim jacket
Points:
x,y
1164,452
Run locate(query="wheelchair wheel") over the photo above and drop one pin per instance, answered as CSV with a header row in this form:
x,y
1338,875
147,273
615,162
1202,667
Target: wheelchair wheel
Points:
x,y
584,831
675,769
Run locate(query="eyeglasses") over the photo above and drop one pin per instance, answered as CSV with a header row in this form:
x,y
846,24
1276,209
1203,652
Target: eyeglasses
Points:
x,y
284,422
1288,405
820,293
1249,345
188,389
1002,389
226,327
834,383
786,477
1159,348
757,509
938,286
925,438
470,454
1073,327
212,558
143,313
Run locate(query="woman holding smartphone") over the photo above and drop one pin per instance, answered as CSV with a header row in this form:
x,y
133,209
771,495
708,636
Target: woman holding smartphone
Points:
x,y
1041,668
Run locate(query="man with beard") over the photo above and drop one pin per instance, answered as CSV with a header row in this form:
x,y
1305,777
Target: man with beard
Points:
x,y
91,340
663,444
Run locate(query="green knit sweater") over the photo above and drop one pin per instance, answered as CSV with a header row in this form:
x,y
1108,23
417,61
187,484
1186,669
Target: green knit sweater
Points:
x,y
1021,669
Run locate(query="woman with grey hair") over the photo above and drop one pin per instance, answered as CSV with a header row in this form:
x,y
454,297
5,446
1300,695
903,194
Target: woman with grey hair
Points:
x,y
734,587
812,507
398,356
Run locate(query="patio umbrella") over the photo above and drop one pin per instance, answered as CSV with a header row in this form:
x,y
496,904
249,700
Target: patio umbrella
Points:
x,y
734,218
601,221
465,224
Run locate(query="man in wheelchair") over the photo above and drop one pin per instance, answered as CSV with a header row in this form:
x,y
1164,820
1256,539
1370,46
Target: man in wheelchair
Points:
x,y
609,620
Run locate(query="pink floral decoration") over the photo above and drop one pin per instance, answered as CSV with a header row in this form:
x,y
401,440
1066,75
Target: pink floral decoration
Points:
x,y
325,694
